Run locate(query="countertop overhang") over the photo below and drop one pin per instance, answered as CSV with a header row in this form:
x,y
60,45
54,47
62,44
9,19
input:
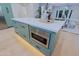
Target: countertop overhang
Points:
x,y
54,26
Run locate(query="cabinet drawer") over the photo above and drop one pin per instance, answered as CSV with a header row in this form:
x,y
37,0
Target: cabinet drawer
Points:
x,y
18,28
21,25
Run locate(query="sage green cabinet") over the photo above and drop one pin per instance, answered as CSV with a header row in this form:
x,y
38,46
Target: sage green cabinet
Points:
x,y
22,30
7,12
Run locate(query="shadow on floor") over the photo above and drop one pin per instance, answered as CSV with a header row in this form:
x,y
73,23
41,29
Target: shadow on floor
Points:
x,y
3,24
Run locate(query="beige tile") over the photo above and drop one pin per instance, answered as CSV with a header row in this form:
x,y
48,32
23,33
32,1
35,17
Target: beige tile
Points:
x,y
9,45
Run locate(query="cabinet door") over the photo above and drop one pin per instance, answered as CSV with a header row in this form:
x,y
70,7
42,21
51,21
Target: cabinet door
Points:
x,y
22,30
53,40
7,12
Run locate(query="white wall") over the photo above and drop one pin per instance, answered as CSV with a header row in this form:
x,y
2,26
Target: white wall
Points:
x,y
75,14
29,9
74,7
18,10
24,10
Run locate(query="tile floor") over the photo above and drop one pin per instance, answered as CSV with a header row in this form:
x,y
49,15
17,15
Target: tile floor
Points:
x,y
13,45
10,46
2,23
3,26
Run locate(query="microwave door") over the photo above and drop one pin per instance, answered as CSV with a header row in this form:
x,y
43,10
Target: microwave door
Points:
x,y
40,40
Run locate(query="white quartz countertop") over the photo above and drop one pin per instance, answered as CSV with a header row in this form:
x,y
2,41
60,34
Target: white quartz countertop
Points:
x,y
54,26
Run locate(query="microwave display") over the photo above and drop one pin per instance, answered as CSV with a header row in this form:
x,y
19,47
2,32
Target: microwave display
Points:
x,y
39,38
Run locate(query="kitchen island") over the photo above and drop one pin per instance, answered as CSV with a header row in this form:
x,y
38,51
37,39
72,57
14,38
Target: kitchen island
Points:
x,y
46,33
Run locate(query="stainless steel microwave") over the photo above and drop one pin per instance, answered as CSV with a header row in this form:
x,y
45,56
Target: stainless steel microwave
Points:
x,y
39,36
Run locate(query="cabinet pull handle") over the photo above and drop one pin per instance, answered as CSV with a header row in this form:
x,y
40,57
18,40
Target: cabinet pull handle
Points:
x,y
7,9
